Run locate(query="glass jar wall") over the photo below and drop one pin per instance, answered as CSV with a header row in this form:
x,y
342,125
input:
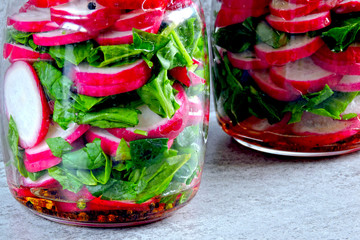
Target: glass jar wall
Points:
x,y
287,75
105,108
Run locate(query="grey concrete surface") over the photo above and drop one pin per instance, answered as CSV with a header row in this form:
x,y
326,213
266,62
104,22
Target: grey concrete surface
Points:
x,y
244,194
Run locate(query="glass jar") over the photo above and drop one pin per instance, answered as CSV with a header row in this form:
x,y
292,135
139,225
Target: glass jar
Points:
x,y
287,75
105,108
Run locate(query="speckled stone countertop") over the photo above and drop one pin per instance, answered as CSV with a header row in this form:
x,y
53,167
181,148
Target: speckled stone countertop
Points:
x,y
244,194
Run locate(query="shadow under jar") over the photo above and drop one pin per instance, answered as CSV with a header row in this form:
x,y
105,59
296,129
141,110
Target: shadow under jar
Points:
x,y
287,74
105,108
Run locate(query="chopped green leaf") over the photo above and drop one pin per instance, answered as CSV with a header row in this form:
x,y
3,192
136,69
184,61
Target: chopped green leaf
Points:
x,y
58,146
66,178
123,151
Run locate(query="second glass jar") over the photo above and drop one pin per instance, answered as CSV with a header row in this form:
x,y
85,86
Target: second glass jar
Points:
x,y
287,75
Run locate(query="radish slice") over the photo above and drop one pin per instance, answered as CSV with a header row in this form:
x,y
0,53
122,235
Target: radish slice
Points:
x,y
47,3
177,4
138,19
126,74
188,78
25,101
228,16
44,181
78,12
303,1
288,11
109,143
16,52
298,47
123,37
282,93
134,4
38,166
154,125
348,6
348,84
88,80
33,20
42,151
60,37
247,60
327,5
304,75
351,55
343,68
246,4
303,24
315,130
196,111
22,192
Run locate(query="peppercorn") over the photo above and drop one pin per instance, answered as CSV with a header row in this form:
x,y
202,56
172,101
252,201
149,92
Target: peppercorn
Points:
x,y
92,6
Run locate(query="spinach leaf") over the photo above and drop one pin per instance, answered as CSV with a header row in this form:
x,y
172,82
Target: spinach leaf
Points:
x,y
325,103
73,53
145,150
114,55
86,103
158,179
110,118
66,178
189,32
85,177
90,157
123,151
58,146
270,36
342,33
171,56
149,42
237,37
64,113
13,138
158,94
55,84
102,175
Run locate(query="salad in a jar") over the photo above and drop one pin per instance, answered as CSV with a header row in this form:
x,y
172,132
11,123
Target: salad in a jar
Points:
x,y
105,108
287,74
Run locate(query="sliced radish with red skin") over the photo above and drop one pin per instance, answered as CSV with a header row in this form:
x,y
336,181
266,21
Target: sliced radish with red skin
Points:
x,y
304,75
44,181
60,37
288,11
246,4
98,204
228,16
282,93
303,24
247,60
122,37
298,47
25,101
315,130
109,143
38,166
123,75
186,77
350,55
196,111
78,13
349,83
138,19
195,79
47,3
33,20
42,151
178,4
22,192
331,65
327,5
348,6
17,52
154,125
134,4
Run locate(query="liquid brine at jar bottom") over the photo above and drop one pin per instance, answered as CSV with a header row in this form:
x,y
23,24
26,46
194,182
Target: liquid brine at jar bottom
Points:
x,y
284,144
45,203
